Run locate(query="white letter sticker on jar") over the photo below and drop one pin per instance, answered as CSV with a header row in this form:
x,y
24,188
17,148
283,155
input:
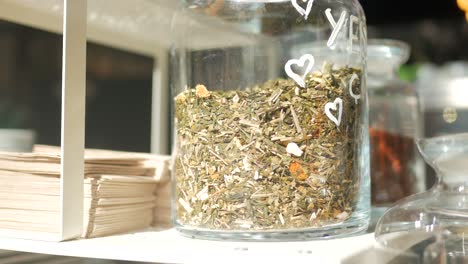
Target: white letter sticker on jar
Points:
x,y
336,105
306,61
304,12
335,26
351,81
353,21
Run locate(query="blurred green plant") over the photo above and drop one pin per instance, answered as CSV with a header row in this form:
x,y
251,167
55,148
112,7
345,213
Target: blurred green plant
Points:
x,y
408,72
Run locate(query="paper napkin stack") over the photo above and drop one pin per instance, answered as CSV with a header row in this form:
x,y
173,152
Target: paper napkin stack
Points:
x,y
119,191
162,210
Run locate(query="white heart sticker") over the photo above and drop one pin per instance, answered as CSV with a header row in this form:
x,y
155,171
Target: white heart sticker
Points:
x,y
306,61
304,12
336,105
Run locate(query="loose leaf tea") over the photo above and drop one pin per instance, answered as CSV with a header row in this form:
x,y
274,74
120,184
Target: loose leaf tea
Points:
x,y
268,157
392,170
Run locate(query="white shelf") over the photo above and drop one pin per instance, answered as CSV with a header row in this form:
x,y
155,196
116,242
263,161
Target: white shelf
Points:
x,y
129,25
168,246
138,26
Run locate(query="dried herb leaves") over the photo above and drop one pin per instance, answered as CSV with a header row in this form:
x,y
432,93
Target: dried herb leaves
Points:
x,y
268,157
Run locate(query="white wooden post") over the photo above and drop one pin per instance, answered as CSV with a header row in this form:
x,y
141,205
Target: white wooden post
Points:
x,y
73,117
160,104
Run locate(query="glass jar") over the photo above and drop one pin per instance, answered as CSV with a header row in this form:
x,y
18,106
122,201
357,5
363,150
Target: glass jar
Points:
x,y
442,89
271,129
397,168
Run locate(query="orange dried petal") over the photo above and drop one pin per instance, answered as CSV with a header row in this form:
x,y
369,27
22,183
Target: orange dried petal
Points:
x,y
297,171
201,91
214,176
181,98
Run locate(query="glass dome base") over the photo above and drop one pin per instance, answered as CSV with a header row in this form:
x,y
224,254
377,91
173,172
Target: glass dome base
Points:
x,y
434,222
428,212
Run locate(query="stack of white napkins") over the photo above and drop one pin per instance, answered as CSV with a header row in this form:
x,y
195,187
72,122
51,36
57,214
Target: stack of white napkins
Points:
x,y
119,191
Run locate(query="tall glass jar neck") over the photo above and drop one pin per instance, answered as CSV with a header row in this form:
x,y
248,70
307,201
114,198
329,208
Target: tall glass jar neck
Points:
x,y
382,69
384,59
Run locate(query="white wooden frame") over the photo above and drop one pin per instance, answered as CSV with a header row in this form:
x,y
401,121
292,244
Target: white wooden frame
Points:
x,y
73,118
160,104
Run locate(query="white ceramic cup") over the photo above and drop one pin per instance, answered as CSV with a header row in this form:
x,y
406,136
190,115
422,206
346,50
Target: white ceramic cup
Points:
x,y
17,140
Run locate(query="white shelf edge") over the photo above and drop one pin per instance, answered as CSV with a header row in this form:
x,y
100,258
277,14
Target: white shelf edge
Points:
x,y
13,11
27,13
167,246
138,26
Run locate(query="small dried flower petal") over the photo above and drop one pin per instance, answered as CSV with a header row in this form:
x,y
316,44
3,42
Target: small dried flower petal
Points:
x,y
246,163
281,218
342,216
185,205
214,176
256,175
236,99
201,91
181,98
313,216
294,149
203,194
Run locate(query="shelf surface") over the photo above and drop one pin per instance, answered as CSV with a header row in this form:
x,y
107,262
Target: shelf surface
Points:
x,y
128,25
168,246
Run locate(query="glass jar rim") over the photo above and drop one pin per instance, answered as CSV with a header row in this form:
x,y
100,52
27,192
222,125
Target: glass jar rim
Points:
x,y
388,48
